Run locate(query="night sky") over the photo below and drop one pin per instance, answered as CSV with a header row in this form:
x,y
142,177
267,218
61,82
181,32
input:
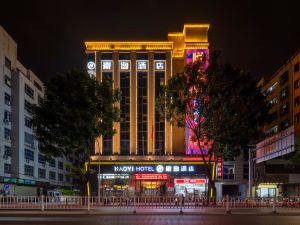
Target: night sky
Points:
x,y
256,36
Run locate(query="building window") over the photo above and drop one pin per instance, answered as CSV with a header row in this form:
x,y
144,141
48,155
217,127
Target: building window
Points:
x,y
159,130
142,113
42,173
29,154
7,63
273,116
42,159
28,122
28,170
284,77
124,56
142,56
106,56
36,84
284,109
7,99
29,139
245,171
60,177
160,56
107,141
284,93
7,168
272,88
52,175
7,116
7,80
297,84
7,133
52,163
274,101
296,67
28,106
29,91
7,151
246,154
68,178
40,100
228,172
284,124
125,113
60,165
297,118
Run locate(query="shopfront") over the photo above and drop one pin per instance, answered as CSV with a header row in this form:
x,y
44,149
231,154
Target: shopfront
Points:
x,y
267,190
148,178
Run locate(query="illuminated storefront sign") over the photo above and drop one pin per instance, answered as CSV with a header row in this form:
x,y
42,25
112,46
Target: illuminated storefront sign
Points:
x,y
113,176
220,167
151,176
91,65
19,181
106,65
190,181
142,65
124,65
159,65
154,168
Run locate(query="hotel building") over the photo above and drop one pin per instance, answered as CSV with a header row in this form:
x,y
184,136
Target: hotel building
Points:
x,y
146,155
275,172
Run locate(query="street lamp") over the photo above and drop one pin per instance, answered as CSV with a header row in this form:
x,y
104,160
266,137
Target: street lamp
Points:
x,y
250,150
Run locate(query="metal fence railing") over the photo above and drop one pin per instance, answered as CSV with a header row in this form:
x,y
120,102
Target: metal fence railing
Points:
x,y
139,202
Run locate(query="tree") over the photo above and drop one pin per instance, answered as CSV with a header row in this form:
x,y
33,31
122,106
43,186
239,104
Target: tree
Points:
x,y
76,109
221,106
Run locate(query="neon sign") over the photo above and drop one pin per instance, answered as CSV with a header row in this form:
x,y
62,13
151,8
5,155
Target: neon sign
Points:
x,y
190,181
151,176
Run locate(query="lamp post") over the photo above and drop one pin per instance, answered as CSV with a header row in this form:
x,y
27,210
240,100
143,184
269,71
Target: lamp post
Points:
x,y
250,149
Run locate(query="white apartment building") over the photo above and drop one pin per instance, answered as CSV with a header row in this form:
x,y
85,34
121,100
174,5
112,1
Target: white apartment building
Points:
x,y
23,169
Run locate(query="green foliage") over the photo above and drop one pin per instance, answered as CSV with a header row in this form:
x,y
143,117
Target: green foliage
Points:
x,y
221,105
76,109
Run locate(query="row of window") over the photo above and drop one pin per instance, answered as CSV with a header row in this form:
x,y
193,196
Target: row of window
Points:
x,y
29,171
284,78
139,56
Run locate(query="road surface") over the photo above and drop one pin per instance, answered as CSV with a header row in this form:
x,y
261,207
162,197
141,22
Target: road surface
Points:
x,y
185,219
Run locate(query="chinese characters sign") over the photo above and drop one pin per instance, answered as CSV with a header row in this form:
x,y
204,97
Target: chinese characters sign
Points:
x,y
106,65
142,65
125,65
159,65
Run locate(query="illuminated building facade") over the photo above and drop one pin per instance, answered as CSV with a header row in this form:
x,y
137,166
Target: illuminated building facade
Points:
x,y
274,171
144,141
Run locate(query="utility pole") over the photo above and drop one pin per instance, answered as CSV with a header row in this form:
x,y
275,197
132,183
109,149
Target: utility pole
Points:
x,y
250,148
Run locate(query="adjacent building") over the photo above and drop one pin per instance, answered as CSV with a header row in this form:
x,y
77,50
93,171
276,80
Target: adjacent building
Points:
x,y
23,169
275,171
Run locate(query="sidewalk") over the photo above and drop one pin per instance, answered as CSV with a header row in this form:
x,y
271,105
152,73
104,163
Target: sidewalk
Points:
x,y
154,211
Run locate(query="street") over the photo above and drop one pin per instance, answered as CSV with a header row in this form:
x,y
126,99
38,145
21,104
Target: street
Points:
x,y
151,219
